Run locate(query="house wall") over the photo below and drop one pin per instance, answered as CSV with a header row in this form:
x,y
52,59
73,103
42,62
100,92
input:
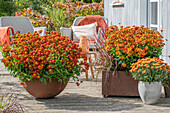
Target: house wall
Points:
x,y
130,14
135,12
166,29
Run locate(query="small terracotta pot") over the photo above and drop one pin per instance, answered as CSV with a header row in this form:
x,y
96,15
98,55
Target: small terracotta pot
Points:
x,y
40,90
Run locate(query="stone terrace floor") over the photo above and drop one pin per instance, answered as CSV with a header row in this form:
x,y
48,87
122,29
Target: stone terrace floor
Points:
x,y
86,98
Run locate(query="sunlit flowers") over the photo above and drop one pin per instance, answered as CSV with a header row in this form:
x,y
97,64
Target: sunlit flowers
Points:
x,y
43,57
128,44
150,69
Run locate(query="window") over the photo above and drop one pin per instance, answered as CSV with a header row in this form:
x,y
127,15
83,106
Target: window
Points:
x,y
154,14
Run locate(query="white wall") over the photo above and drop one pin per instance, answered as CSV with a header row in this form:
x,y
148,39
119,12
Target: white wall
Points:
x,y
166,29
133,13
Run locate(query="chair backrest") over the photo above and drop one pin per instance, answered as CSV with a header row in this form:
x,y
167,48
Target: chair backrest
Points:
x,y
22,24
76,21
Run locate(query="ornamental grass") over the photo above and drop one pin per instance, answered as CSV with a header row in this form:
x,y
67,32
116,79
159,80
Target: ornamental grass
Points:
x,y
43,57
128,44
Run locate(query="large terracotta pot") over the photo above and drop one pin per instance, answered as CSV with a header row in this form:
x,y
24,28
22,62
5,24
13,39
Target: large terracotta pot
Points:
x,y
40,90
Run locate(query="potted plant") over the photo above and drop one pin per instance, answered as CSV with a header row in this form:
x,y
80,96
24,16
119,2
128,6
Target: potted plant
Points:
x,y
44,64
166,83
150,72
124,46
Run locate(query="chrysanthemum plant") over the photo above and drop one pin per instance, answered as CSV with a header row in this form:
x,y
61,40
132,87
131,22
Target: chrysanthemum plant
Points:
x,y
43,57
150,70
128,44
166,81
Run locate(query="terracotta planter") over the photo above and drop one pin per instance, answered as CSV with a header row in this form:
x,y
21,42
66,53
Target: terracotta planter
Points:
x,y
167,92
40,90
119,85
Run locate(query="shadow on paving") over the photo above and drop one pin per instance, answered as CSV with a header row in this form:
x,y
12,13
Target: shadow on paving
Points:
x,y
163,102
86,103
92,80
10,83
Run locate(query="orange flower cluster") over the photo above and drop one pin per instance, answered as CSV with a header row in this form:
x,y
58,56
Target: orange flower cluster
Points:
x,y
129,44
150,70
43,57
149,63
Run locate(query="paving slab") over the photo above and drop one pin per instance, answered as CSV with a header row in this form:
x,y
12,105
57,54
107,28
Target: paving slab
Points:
x,y
86,98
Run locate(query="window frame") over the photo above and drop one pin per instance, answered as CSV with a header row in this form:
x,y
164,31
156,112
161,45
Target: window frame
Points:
x,y
157,26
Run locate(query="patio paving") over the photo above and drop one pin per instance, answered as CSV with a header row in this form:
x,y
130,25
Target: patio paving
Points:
x,y
86,98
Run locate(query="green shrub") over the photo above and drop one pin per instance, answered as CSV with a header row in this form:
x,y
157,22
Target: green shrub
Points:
x,y
87,1
62,14
98,1
7,8
73,10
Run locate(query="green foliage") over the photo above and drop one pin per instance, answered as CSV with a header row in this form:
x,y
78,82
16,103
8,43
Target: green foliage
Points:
x,y
87,1
97,1
166,81
34,4
65,13
0,48
7,8
58,16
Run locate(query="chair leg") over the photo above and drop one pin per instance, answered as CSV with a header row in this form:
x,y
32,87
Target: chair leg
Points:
x,y
95,55
98,71
91,66
86,75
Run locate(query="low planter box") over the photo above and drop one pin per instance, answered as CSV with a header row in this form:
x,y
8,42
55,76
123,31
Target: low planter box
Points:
x,y
119,85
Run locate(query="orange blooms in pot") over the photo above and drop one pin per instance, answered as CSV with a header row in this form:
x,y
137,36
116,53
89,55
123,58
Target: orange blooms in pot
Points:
x,y
128,44
43,57
150,70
